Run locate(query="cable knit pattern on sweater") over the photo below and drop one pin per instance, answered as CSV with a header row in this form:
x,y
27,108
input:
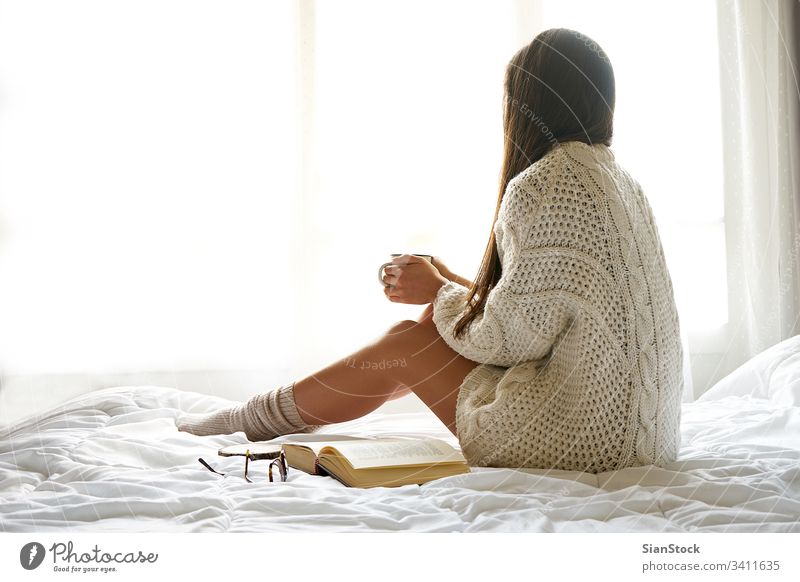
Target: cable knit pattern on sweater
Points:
x,y
579,342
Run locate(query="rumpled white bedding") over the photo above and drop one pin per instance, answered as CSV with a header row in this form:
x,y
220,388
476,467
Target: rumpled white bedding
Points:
x,y
112,460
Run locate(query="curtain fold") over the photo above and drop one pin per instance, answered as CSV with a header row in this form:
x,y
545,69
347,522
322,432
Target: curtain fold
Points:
x,y
760,85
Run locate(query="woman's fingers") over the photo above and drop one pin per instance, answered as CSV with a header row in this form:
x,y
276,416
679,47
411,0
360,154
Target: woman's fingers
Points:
x,y
391,275
407,260
390,293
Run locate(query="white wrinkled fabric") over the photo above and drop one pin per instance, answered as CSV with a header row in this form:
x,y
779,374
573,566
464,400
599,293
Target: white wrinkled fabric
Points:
x,y
112,460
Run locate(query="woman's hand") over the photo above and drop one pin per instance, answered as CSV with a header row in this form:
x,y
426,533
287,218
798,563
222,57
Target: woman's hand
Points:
x,y
412,280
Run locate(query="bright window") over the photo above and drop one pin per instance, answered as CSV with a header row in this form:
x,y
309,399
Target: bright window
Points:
x,y
146,168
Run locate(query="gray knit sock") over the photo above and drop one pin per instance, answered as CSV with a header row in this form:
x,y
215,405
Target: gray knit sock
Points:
x,y
263,417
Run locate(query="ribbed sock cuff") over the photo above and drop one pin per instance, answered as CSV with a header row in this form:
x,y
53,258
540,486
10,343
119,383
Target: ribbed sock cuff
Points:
x,y
272,414
289,415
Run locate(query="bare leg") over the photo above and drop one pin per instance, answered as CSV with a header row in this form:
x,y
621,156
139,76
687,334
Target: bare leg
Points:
x,y
409,356
427,318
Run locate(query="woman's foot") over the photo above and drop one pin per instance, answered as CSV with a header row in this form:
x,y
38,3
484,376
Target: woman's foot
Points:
x,y
263,417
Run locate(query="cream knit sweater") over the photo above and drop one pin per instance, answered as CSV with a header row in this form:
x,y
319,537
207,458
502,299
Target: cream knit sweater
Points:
x,y
579,344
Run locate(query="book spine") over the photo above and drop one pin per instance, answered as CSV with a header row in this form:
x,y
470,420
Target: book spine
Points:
x,y
320,470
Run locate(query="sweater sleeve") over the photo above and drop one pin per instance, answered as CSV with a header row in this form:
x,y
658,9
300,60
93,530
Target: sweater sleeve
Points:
x,y
524,313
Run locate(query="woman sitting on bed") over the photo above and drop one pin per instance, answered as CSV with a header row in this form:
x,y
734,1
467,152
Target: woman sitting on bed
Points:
x,y
565,351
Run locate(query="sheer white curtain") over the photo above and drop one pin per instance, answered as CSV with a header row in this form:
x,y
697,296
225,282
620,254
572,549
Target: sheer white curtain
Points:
x,y
198,194
760,64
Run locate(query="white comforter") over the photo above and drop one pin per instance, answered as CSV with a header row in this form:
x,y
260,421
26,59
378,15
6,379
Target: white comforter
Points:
x,y
112,460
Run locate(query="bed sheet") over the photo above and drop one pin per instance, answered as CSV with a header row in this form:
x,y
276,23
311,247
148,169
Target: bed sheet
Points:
x,y
112,460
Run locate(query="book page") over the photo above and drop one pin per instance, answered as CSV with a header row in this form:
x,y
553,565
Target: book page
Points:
x,y
385,452
323,440
315,437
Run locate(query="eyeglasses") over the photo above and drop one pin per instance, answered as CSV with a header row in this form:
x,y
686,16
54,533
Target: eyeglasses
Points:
x,y
279,462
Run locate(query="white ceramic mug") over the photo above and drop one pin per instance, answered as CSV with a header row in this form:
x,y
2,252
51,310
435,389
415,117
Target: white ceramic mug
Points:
x,y
395,255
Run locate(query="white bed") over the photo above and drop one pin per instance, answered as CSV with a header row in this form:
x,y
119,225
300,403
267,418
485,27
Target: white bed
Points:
x,y
112,460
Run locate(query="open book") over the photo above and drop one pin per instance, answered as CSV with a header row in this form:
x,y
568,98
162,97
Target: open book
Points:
x,y
376,461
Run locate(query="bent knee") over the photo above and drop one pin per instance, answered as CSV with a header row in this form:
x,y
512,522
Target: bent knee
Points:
x,y
406,335
401,327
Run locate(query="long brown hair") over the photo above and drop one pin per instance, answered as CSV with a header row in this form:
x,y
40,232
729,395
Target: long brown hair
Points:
x,y
558,88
